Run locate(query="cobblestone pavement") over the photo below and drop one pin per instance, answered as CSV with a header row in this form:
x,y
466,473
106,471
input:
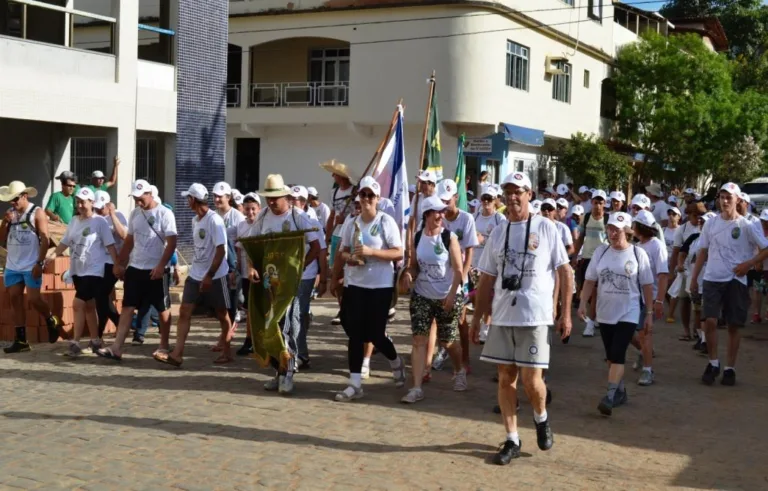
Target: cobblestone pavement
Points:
x,y
94,424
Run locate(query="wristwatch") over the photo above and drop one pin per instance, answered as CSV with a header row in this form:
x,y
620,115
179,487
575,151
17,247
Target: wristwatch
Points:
x,y
41,263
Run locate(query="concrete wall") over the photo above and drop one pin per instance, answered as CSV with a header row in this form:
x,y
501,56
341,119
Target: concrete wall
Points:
x,y
286,60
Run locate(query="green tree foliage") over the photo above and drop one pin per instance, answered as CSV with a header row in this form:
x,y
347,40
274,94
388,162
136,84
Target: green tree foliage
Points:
x,y
589,162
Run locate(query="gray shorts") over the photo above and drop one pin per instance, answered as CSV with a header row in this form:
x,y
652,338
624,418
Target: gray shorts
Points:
x,y
729,298
521,346
217,297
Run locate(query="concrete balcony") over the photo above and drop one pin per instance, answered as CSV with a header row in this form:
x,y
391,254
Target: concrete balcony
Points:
x,y
299,94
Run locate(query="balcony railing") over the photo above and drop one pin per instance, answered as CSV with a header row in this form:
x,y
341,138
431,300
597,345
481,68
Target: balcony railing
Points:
x,y
233,95
299,94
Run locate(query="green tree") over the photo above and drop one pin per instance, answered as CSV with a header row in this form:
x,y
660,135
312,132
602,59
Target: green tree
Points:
x,y
589,162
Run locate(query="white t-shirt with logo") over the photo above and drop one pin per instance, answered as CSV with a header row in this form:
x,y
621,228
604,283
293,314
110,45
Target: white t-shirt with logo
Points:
x,y
149,229
23,242
87,240
729,243
669,238
244,229
683,232
232,219
538,265
208,233
323,213
290,221
484,225
619,276
659,210
118,240
464,228
565,233
657,256
339,199
380,233
435,271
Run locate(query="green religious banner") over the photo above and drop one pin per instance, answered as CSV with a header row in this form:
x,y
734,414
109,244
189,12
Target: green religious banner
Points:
x,y
279,260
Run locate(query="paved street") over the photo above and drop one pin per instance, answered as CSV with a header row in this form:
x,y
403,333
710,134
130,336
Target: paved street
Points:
x,y
92,424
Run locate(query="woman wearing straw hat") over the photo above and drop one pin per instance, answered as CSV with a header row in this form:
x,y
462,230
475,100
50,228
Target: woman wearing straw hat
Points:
x,y
24,231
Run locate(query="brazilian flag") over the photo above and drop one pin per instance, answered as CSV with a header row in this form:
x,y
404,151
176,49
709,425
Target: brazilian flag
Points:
x,y
279,259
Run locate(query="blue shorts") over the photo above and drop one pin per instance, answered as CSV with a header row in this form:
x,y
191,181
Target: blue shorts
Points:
x,y
335,242
13,278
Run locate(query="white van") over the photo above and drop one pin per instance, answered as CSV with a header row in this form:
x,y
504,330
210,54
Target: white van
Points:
x,y
758,193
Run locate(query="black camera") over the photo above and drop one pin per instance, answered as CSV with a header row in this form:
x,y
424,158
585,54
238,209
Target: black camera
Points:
x,y
511,283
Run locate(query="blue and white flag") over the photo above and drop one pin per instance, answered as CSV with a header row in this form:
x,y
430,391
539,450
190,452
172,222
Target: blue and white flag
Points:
x,y
391,173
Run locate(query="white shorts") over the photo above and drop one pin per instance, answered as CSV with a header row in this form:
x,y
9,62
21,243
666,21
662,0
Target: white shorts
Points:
x,y
521,346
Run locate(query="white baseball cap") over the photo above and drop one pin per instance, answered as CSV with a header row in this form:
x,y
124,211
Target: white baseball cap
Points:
x,y
620,219
412,188
312,191
707,216
86,193
689,191
101,198
577,210
299,192
222,189
428,176
98,174
536,204
470,192
562,203
618,195
550,202
562,189
674,209
197,191
490,191
474,203
642,201
731,188
764,215
237,196
155,192
672,199
446,189
254,197
645,217
140,187
599,193
745,197
369,182
518,179
584,189
433,203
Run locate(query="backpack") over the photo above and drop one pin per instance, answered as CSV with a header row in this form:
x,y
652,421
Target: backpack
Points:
x,y
28,222
637,259
445,235
586,219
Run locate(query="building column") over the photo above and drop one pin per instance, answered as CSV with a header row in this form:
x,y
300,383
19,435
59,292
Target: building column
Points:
x,y
121,142
245,77
169,190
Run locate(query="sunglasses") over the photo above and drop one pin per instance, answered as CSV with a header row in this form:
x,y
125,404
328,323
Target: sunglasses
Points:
x,y
16,199
67,185
364,195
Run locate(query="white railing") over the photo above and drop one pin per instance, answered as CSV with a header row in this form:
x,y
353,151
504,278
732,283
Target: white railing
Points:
x,y
233,95
299,94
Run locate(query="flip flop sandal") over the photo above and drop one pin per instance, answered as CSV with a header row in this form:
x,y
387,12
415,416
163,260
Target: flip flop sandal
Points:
x,y
685,337
222,360
108,354
216,348
167,359
161,351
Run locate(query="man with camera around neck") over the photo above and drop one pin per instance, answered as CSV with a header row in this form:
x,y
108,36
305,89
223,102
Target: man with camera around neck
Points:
x,y
518,267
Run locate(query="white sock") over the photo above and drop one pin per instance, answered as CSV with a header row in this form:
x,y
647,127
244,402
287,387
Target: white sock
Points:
x,y
715,363
729,368
540,417
514,437
367,362
701,336
355,380
395,364
647,369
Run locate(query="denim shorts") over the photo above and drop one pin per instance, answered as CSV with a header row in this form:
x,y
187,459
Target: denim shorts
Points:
x,y
13,278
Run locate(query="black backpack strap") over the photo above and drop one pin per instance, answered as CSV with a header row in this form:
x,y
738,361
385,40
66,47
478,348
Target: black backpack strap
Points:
x,y
639,286
605,218
586,220
417,238
446,236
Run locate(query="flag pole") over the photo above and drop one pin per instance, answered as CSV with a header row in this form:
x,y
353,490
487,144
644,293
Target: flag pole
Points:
x,y
412,220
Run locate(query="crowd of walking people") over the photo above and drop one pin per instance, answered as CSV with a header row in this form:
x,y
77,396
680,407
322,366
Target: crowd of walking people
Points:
x,y
507,273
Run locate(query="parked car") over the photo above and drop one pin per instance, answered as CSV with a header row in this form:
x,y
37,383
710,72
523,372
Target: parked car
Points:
x,y
758,192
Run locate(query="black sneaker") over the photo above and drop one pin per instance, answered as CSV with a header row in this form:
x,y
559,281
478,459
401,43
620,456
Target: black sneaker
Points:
x,y
549,396
703,349
729,377
606,406
620,398
697,344
137,340
507,452
17,347
304,364
246,349
53,324
544,435
710,374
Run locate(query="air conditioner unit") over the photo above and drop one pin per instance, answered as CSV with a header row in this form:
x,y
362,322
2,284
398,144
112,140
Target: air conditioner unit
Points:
x,y
551,67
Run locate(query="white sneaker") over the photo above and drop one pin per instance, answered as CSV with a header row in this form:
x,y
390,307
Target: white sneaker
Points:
x,y
349,394
237,317
460,381
413,395
391,313
286,385
365,373
73,350
484,328
589,330
272,384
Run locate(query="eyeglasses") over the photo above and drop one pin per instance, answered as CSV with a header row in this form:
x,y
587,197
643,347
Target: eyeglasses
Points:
x,y
68,185
364,195
517,192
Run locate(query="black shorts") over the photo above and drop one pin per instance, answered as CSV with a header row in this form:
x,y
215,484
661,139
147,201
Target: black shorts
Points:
x,y
731,298
581,271
140,290
110,280
88,287
217,297
753,276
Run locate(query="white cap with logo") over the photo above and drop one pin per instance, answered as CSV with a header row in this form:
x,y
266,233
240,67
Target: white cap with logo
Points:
x,y
97,174
433,203
518,179
536,204
428,176
577,210
222,189
312,191
764,215
599,194
562,189
618,195
584,189
672,199
745,197
446,189
101,198
731,188
369,182
642,201
299,192
140,187
474,203
645,217
197,191
620,219
674,209
253,196
562,203
237,196
85,194
489,190
550,202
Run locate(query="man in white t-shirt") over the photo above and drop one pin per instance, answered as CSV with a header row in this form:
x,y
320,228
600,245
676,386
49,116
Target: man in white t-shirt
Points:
x,y
280,216
518,269
148,247
321,209
658,206
728,243
232,217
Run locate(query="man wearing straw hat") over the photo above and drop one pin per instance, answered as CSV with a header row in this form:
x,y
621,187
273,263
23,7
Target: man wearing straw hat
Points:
x,y
24,232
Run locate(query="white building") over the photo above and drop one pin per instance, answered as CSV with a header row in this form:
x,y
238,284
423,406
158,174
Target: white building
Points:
x,y
313,80
76,89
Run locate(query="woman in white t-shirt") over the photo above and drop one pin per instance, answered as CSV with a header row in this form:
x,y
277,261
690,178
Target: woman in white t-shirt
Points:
x,y
645,231
624,280
369,246
435,273
91,245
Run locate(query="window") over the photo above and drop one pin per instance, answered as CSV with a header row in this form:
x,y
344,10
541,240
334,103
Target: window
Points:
x,y
87,155
569,2
517,65
595,10
146,159
561,84
329,76
586,79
